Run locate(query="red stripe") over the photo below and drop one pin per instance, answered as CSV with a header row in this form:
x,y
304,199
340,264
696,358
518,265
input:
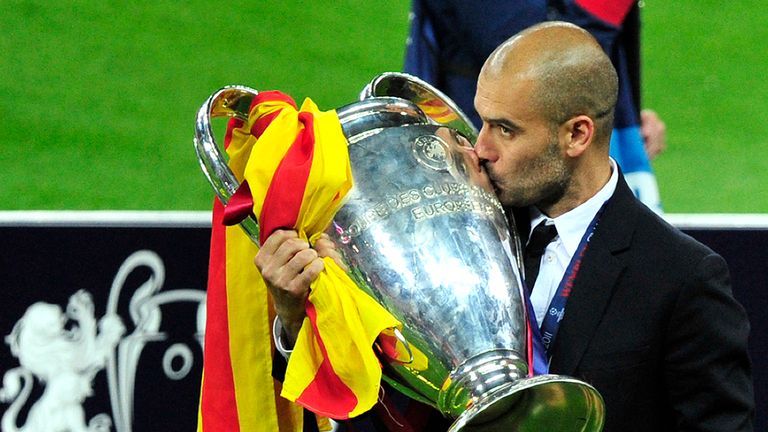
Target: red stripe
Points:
x,y
611,11
283,199
232,124
529,341
217,401
388,346
239,206
270,96
260,125
432,103
327,394
440,114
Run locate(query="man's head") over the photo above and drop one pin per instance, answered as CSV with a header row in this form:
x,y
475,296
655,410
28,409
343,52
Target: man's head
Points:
x,y
546,97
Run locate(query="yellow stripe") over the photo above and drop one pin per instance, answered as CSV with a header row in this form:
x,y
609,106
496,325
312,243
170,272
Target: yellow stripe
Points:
x,y
249,340
249,312
331,175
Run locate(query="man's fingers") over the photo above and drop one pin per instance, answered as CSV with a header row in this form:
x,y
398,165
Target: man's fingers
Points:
x,y
279,250
324,245
300,261
327,248
276,239
287,263
311,271
266,255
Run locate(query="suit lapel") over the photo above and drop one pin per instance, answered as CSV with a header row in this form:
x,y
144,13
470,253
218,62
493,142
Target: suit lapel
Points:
x,y
596,281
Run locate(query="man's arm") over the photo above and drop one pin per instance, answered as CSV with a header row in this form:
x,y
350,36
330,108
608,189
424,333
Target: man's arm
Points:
x,y
654,133
707,367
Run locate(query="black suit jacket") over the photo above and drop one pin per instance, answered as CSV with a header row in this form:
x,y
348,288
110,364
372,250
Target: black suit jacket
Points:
x,y
652,324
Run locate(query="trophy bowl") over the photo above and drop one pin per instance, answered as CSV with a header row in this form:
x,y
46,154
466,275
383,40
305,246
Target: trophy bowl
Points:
x,y
422,233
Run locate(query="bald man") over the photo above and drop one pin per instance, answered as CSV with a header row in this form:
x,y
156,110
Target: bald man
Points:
x,y
650,319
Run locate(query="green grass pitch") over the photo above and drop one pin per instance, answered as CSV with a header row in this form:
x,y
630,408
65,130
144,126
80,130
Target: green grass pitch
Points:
x,y
97,99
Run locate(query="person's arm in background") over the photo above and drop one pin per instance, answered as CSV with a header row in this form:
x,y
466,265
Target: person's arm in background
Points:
x,y
654,133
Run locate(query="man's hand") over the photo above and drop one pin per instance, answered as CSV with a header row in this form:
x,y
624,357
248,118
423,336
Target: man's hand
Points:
x,y
654,133
288,265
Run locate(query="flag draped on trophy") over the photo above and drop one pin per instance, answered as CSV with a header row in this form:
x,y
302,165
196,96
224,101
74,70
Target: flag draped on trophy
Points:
x,y
294,171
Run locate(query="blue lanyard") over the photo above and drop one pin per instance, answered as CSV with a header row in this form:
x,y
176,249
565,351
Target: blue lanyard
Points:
x,y
556,310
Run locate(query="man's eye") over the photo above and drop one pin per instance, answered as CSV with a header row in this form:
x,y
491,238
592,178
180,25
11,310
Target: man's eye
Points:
x,y
505,131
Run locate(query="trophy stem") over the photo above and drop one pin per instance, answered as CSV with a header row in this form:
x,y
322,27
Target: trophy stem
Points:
x,y
479,376
491,392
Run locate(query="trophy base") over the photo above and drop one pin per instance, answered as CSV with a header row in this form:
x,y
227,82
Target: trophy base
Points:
x,y
541,403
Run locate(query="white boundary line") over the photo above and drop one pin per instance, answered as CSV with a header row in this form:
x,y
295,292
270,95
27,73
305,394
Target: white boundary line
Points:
x,y
202,219
718,220
105,218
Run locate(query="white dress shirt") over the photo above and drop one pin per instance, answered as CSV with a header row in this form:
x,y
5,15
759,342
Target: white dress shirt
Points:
x,y
571,227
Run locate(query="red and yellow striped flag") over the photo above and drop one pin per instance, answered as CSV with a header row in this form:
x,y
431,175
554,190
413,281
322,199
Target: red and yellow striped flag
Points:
x,y
437,110
294,169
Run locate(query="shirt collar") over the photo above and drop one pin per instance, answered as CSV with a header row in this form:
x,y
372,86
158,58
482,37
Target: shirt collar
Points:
x,y
572,225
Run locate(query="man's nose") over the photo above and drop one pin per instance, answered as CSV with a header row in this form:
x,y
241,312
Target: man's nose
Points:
x,y
484,147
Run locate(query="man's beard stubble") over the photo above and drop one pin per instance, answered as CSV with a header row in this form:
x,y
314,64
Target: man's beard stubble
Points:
x,y
555,177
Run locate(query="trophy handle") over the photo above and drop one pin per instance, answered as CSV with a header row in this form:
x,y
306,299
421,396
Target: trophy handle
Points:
x,y
357,120
230,101
361,119
439,107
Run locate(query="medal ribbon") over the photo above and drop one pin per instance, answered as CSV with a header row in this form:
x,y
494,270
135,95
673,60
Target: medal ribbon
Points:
x,y
556,310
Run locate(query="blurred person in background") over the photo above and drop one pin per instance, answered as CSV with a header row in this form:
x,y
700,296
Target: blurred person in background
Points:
x,y
449,41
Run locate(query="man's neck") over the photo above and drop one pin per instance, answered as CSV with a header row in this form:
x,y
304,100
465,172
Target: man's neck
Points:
x,y
584,185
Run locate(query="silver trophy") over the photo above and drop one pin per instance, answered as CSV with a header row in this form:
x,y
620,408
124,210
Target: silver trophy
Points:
x,y
423,234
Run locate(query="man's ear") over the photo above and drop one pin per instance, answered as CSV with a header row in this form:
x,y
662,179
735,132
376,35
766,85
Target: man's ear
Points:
x,y
577,134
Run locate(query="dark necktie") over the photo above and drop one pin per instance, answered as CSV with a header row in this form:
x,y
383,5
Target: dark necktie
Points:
x,y
541,236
